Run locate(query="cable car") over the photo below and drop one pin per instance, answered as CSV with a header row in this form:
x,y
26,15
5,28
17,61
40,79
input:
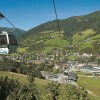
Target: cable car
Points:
x,y
8,43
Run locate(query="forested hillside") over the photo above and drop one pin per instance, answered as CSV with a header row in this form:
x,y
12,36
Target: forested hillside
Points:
x,y
71,25
81,32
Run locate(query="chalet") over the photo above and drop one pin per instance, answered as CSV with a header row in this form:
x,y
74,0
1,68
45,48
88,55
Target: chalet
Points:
x,y
35,61
70,76
86,68
56,66
52,77
98,56
87,55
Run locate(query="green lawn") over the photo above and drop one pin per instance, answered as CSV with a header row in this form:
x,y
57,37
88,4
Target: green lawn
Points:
x,y
56,35
22,78
21,50
56,42
96,37
71,57
90,84
40,83
83,34
84,45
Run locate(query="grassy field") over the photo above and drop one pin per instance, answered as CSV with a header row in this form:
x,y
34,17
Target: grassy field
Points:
x,y
23,78
83,46
40,84
84,39
21,50
82,35
56,42
89,83
96,37
56,35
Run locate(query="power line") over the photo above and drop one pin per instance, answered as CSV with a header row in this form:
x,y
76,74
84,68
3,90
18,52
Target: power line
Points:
x,y
57,21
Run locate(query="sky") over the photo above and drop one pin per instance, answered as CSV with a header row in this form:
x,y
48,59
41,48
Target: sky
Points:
x,y
26,14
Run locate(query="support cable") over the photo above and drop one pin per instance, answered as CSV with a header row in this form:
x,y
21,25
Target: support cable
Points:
x,y
2,16
59,29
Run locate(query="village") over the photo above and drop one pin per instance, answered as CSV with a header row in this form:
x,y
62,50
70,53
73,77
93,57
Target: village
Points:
x,y
66,65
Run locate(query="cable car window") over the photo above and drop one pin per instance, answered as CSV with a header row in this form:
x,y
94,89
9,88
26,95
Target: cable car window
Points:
x,y
12,40
3,40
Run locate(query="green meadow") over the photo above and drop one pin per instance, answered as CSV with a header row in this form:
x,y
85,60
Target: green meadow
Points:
x,y
89,83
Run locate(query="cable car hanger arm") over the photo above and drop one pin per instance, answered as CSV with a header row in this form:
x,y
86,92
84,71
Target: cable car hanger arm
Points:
x,y
1,15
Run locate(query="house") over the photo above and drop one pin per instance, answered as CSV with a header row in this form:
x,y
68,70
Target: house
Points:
x,y
35,62
87,55
86,68
80,65
56,66
98,56
92,63
72,76
52,77
95,70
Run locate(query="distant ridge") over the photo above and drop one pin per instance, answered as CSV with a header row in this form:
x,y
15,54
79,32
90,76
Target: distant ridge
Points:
x,y
70,25
80,32
12,30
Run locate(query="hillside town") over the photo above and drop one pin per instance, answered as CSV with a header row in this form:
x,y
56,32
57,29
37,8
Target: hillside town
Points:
x,y
50,50
65,65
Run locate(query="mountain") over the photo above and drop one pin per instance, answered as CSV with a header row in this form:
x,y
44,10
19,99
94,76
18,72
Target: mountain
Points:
x,y
70,25
14,31
81,31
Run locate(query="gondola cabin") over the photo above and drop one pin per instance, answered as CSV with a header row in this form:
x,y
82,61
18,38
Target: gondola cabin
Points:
x,y
8,43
